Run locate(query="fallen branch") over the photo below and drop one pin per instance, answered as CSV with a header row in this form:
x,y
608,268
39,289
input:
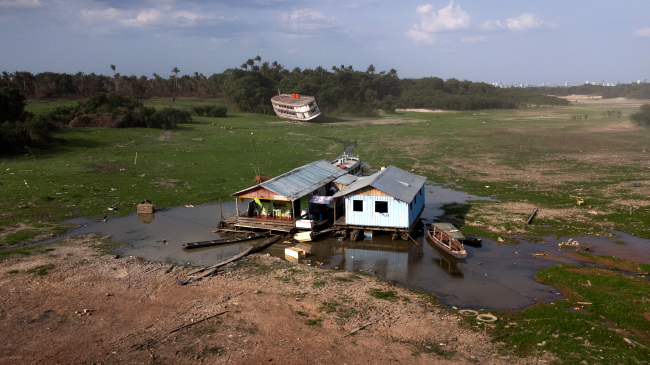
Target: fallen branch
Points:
x,y
532,216
193,323
359,329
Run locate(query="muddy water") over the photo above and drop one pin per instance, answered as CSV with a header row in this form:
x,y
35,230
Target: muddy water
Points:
x,y
494,276
144,233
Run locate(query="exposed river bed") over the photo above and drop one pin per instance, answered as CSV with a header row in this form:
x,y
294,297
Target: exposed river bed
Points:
x,y
494,276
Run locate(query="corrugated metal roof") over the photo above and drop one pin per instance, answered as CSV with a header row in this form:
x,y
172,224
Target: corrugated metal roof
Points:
x,y
346,179
399,184
302,180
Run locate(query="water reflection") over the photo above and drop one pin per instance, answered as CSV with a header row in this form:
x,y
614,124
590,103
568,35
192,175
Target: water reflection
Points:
x,y
494,275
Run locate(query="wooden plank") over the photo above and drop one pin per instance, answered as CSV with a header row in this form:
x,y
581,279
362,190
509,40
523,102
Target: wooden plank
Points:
x,y
247,237
369,190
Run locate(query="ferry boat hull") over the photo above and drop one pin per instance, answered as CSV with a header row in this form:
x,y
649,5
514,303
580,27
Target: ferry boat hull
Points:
x,y
295,107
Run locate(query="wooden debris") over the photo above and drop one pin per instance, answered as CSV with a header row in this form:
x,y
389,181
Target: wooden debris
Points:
x,y
193,323
532,216
359,329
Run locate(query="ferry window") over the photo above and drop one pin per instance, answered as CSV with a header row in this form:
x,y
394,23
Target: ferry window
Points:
x,y
357,205
381,207
415,199
411,205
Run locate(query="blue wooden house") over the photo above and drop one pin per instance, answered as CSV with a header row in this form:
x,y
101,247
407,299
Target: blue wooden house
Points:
x,y
390,200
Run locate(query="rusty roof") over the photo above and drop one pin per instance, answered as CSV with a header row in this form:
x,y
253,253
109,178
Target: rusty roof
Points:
x,y
301,181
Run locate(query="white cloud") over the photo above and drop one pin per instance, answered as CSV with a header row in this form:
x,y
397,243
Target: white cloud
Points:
x,y
420,36
110,19
432,21
189,18
351,6
306,20
491,25
92,16
523,22
645,32
144,17
20,3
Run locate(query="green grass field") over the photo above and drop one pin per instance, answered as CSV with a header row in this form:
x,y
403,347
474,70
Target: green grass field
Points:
x,y
535,158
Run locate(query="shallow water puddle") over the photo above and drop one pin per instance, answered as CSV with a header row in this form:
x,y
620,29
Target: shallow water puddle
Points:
x,y
494,276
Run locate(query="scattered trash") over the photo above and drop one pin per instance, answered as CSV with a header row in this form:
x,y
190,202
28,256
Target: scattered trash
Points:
x,y
468,312
570,243
198,139
487,318
112,208
145,207
500,239
188,206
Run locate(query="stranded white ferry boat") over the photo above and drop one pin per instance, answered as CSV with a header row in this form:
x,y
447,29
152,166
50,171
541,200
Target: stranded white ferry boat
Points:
x,y
295,106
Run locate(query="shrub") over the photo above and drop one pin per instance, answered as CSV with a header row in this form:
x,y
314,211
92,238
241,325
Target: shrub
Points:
x,y
219,112
642,118
168,118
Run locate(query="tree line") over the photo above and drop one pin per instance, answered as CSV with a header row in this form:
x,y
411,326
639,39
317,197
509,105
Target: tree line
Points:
x,y
631,91
340,89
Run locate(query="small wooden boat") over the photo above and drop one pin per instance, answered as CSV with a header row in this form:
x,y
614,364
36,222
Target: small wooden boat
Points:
x,y
448,244
247,237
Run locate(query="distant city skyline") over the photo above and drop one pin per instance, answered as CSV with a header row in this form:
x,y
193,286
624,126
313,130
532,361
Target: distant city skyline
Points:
x,y
528,42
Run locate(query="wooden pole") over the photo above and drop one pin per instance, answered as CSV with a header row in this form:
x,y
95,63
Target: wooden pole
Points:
x,y
136,159
531,216
220,210
311,224
237,206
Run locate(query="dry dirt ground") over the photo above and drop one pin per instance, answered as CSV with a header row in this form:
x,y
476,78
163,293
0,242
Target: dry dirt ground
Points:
x,y
277,312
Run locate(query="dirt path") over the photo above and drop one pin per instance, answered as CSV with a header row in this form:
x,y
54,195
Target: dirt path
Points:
x,y
278,313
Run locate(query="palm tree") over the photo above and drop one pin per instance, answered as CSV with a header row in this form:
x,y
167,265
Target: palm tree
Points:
x,y
275,65
296,71
371,69
244,66
250,62
176,71
265,65
116,79
259,60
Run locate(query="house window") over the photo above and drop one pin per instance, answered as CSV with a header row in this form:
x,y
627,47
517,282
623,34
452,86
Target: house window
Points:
x,y
411,205
381,207
415,199
357,205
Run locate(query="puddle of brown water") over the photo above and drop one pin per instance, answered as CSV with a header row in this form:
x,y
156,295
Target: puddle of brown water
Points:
x,y
494,276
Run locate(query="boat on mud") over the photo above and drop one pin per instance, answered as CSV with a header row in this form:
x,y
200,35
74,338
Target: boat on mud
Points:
x,y
247,237
349,163
295,106
453,232
450,245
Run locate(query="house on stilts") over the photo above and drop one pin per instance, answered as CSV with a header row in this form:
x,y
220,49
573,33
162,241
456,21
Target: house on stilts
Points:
x,y
282,203
390,200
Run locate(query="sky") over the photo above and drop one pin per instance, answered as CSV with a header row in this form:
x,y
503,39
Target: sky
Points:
x,y
523,41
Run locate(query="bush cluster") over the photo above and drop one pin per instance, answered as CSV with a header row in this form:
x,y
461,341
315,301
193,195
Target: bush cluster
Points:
x,y
20,130
211,111
112,110
642,118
